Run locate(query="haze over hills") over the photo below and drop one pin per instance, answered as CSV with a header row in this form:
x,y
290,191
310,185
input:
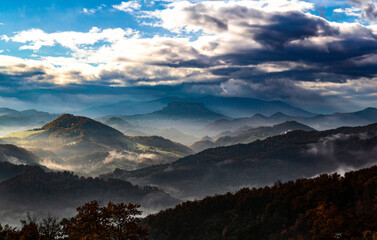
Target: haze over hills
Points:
x,y
11,117
319,122
228,106
179,111
186,116
289,156
13,120
82,144
16,155
118,123
170,133
31,189
248,135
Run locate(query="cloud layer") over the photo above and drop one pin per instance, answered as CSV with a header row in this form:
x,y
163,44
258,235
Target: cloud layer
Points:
x,y
265,49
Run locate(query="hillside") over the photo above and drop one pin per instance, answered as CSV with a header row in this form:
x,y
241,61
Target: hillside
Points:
x,y
87,146
289,156
17,155
325,207
81,130
163,144
33,189
248,135
9,170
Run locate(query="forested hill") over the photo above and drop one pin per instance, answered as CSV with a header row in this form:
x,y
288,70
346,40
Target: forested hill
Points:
x,y
31,189
293,155
325,207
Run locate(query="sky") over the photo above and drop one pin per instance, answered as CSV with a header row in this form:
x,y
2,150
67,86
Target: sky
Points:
x,y
68,55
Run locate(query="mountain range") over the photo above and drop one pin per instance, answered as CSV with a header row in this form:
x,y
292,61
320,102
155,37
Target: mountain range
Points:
x,y
228,106
289,156
12,120
185,116
248,135
176,111
319,122
11,117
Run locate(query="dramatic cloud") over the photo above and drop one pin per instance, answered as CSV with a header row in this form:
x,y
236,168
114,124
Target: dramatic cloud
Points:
x,y
266,49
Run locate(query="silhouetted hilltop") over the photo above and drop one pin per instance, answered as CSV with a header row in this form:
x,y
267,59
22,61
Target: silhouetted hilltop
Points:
x,y
188,111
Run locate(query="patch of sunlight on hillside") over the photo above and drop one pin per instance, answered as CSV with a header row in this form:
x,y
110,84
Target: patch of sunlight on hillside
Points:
x,y
22,135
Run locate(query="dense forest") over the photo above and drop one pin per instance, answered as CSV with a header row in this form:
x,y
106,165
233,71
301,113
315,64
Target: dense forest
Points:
x,y
325,207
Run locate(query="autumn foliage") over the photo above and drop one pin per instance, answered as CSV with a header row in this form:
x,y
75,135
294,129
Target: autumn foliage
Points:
x,y
92,222
325,207
114,221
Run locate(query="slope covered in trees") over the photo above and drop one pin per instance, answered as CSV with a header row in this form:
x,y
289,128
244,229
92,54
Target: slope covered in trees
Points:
x,y
285,157
325,207
30,188
90,147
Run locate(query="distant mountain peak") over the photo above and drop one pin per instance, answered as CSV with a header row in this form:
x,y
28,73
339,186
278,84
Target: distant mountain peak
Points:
x,y
188,109
258,115
116,121
278,115
294,125
178,104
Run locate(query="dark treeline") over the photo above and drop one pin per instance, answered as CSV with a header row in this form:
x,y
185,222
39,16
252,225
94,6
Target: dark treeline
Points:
x,y
325,207
92,222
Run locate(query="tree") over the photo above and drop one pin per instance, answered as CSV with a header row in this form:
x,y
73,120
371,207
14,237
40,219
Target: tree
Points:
x,y
50,228
29,229
121,222
87,224
8,233
327,222
114,221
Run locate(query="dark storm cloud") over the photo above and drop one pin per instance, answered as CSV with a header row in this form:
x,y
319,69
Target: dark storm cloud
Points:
x,y
338,57
284,28
286,36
